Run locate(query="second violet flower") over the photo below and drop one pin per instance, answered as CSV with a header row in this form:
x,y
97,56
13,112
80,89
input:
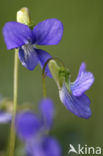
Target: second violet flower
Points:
x,y
72,94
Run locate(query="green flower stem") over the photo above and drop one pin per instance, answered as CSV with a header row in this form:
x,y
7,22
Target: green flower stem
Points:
x,y
44,85
12,132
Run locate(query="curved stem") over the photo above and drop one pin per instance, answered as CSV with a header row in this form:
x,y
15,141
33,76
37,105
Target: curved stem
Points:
x,y
46,63
12,132
44,75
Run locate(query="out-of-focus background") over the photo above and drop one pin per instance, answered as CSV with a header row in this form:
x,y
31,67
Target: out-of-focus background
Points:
x,y
82,41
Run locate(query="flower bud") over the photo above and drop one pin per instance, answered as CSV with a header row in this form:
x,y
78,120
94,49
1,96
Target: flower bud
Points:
x,y
23,16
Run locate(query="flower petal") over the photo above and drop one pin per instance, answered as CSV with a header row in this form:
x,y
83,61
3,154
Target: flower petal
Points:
x,y
5,117
48,32
46,146
47,112
16,34
43,56
29,58
27,125
77,105
83,82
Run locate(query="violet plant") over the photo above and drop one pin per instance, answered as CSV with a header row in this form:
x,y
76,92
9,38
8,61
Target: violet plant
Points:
x,y
23,36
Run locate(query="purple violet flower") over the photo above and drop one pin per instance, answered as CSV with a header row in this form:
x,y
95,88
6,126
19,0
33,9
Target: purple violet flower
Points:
x,y
17,35
47,112
73,95
27,124
32,129
45,146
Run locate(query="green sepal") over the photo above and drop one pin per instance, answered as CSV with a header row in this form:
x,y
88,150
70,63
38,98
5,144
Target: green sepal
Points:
x,y
31,25
60,74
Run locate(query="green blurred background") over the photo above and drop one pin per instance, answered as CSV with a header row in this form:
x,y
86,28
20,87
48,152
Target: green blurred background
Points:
x,y
82,41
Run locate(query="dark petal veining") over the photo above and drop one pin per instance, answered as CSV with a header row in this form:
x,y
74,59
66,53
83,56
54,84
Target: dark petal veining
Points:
x,y
17,34
79,105
28,57
83,82
48,32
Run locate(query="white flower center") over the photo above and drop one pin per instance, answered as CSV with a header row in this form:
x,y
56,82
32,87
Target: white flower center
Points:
x,y
28,48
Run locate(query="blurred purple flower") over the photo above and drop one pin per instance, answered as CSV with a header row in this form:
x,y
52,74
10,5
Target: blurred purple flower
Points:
x,y
17,35
73,95
32,129
45,146
47,112
5,117
27,124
